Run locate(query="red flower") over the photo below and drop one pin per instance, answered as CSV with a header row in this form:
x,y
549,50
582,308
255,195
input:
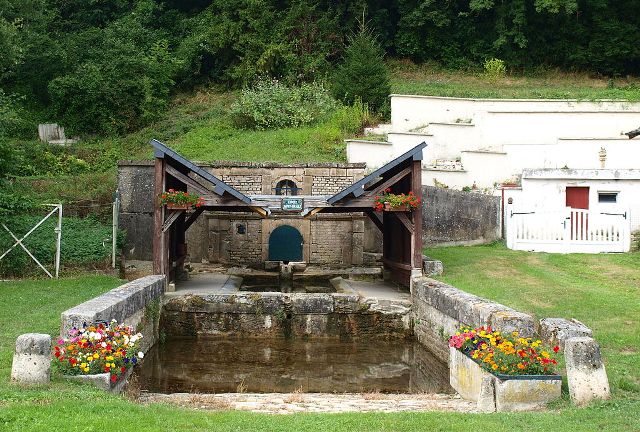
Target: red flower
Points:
x,y
387,190
556,349
114,378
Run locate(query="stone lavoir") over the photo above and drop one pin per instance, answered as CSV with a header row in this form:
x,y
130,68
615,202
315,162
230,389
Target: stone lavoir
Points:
x,y
328,326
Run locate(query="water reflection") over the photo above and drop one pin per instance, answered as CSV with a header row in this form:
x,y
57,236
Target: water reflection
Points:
x,y
221,366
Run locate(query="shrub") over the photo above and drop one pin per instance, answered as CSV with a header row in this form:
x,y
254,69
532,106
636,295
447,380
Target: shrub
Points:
x,y
363,74
85,242
270,104
494,69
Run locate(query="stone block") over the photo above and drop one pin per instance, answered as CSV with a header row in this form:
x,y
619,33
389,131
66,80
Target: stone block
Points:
x,y
312,303
586,374
32,359
556,331
465,376
510,321
526,394
432,267
486,396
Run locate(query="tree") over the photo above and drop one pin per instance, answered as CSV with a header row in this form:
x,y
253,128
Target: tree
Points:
x,y
363,74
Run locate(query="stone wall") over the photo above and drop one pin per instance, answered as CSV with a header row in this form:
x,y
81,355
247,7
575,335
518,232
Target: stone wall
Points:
x,y
635,241
215,236
136,303
278,315
454,217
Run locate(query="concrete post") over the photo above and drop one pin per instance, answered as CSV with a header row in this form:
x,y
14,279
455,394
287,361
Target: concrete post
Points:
x,y
586,375
32,359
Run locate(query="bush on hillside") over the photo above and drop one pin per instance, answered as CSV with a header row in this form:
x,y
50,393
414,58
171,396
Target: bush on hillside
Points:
x,y
363,74
85,242
271,104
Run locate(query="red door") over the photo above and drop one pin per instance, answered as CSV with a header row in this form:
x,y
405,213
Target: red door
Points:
x,y
578,197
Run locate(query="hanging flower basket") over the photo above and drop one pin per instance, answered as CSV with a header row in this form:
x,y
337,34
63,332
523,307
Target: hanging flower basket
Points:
x,y
401,208
180,200
396,202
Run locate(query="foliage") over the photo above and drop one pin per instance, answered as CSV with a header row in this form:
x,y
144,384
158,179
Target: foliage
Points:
x,y
175,197
271,104
409,200
84,242
505,354
98,348
363,74
494,68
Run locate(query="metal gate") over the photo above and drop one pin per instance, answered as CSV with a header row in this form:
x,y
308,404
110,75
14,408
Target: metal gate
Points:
x,y
57,208
568,230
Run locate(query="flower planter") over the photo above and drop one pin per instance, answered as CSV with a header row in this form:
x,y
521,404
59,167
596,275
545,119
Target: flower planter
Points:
x,y
402,208
172,206
103,380
505,392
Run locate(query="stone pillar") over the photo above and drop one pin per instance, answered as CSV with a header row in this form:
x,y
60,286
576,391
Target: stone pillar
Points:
x,y
32,359
586,375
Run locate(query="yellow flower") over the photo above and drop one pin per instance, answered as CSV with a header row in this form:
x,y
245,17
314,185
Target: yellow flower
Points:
x,y
83,365
86,369
545,354
109,358
494,366
515,334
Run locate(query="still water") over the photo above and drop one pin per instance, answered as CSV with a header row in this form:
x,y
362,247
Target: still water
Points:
x,y
281,366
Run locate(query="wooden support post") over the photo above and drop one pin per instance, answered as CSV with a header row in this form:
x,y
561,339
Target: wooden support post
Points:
x,y
416,187
159,246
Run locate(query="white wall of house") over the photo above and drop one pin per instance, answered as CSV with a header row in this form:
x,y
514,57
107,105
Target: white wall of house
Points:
x,y
495,139
546,189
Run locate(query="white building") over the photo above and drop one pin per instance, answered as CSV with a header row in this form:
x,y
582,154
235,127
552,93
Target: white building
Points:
x,y
567,153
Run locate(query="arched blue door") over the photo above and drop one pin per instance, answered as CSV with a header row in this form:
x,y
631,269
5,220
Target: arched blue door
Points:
x,y
285,244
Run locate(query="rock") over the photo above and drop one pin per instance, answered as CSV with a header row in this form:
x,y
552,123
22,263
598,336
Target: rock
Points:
x,y
586,374
556,331
526,394
32,359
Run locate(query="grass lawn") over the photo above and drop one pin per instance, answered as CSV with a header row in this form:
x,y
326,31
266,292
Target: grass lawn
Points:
x,y
35,306
432,80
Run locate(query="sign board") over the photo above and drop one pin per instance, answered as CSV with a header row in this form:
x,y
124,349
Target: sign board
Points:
x,y
292,204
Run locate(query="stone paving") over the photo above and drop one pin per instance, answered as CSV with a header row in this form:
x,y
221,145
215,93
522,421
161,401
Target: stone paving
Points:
x,y
290,403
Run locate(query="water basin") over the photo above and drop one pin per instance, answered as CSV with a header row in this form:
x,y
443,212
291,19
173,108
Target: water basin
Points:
x,y
281,366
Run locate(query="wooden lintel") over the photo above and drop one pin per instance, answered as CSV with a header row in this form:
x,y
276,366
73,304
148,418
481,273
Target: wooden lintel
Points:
x,y
375,218
173,216
378,187
188,180
402,217
192,218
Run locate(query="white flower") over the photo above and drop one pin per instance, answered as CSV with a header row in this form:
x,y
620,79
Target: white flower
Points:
x,y
140,354
104,344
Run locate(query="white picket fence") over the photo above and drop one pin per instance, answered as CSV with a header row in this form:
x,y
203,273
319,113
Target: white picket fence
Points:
x,y
568,230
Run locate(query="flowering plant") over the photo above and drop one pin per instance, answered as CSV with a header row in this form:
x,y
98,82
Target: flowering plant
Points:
x,y
508,355
101,348
396,200
179,197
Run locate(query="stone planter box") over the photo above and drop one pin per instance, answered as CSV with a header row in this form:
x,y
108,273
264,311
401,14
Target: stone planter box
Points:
x,y
497,392
103,380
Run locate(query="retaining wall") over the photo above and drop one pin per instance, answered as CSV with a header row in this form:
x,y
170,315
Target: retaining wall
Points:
x,y
280,315
454,217
136,303
440,309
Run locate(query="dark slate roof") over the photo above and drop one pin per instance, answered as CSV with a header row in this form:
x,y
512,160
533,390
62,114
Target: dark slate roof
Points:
x,y
357,188
220,187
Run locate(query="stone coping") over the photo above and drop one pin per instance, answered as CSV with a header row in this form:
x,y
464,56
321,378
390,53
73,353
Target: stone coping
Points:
x,y
291,403
120,303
